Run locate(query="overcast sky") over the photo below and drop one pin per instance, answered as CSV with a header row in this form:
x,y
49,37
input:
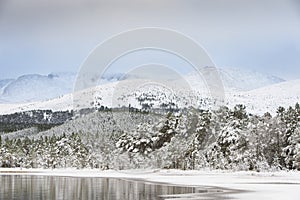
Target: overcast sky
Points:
x,y
39,36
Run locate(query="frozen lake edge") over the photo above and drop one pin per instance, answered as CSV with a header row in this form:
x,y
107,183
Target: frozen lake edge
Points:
x,y
262,185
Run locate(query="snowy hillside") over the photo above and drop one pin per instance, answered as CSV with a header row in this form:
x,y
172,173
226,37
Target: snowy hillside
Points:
x,y
35,87
260,100
269,98
4,83
190,139
245,80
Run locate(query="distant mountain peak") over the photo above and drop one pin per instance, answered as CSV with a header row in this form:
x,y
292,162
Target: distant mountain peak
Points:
x,y
36,87
245,80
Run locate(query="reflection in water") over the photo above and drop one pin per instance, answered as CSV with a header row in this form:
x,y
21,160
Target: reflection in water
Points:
x,y
49,187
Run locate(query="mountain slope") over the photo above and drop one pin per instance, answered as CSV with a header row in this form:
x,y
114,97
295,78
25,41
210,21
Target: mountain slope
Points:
x,y
4,82
269,98
35,87
258,101
245,80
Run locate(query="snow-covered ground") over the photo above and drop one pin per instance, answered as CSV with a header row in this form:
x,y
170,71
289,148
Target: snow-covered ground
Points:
x,y
268,98
248,185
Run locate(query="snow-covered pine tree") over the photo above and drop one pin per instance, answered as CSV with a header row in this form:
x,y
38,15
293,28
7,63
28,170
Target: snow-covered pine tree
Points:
x,y
290,120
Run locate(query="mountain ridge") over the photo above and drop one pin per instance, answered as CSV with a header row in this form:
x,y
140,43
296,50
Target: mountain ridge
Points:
x,y
257,101
35,87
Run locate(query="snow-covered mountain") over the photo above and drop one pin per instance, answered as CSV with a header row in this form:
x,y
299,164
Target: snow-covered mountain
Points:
x,y
258,101
275,92
35,87
245,80
269,98
4,82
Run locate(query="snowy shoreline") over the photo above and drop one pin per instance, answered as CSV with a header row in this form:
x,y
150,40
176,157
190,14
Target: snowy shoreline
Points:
x,y
262,185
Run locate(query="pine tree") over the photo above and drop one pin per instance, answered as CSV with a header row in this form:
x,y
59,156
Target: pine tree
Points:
x,y
290,120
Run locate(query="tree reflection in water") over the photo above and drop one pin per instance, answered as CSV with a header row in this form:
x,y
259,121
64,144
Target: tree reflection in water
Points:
x,y
50,187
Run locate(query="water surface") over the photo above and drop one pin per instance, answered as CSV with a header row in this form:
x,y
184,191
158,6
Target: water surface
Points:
x,y
27,187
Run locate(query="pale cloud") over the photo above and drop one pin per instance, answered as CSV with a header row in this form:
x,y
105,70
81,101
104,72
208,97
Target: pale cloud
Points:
x,y
49,35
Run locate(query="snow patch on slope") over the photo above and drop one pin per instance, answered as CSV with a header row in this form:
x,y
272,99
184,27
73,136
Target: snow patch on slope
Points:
x,y
35,87
269,98
245,80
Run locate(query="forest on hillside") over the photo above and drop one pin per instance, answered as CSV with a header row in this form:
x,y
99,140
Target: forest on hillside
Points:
x,y
227,139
